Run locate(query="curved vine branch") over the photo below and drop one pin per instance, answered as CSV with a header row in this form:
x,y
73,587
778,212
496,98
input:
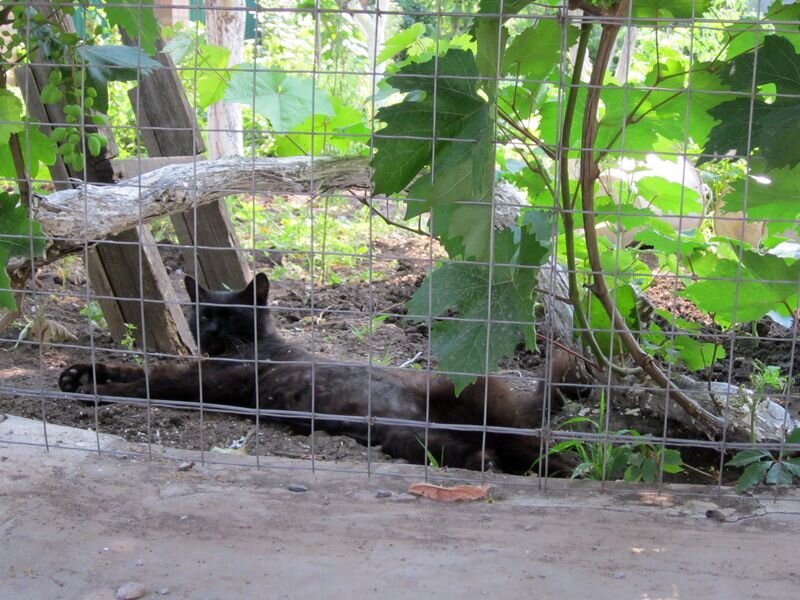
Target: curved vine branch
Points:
x,y
589,171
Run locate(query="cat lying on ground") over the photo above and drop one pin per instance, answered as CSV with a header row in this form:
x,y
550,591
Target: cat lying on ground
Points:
x,y
229,324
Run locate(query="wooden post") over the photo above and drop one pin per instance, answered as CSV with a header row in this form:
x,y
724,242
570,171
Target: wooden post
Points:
x,y
169,128
114,268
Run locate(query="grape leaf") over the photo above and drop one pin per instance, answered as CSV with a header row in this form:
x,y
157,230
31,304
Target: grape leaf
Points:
x,y
461,343
696,355
343,130
673,9
10,116
774,124
399,42
36,148
138,21
743,294
457,189
213,77
405,145
18,237
286,101
771,197
546,37
114,63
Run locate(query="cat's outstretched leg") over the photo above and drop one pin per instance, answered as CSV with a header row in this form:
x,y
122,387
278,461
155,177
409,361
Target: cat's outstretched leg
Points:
x,y
81,378
222,382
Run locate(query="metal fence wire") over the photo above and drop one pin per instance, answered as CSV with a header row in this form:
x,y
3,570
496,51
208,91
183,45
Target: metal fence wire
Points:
x,y
581,214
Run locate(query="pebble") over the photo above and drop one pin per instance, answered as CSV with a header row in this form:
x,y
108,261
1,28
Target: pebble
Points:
x,y
619,575
716,515
487,517
383,494
131,591
163,591
297,487
186,466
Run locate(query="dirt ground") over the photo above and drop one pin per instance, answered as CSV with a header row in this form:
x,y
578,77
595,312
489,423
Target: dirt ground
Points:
x,y
337,327
76,525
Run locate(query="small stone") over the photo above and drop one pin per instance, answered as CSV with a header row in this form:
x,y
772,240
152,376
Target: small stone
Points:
x,y
297,487
716,515
619,575
383,494
186,466
183,517
163,591
487,517
528,527
139,562
131,591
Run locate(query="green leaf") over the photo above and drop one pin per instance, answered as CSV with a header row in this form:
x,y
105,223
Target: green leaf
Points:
x,y
10,115
766,195
746,291
461,345
669,9
775,121
792,468
405,145
649,470
746,457
286,101
138,20
118,63
752,476
696,355
400,41
794,436
625,297
671,461
212,80
179,46
37,148
536,52
19,236
669,198
113,63
778,474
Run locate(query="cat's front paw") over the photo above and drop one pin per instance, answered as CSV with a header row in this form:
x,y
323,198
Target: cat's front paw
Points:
x,y
80,378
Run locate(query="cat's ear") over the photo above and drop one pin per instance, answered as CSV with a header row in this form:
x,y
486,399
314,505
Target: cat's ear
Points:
x,y
190,284
261,282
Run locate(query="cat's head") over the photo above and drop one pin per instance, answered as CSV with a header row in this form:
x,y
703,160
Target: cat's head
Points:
x,y
227,323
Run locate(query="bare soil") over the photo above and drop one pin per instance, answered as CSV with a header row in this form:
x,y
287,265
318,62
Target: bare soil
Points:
x,y
334,320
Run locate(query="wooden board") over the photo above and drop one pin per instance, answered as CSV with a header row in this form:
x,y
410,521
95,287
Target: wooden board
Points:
x,y
152,307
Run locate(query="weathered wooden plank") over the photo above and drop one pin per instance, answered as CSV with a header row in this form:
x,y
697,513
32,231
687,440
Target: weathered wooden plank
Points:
x,y
168,127
93,212
115,268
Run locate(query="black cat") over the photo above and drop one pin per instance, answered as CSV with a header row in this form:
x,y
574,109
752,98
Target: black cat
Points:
x,y
229,326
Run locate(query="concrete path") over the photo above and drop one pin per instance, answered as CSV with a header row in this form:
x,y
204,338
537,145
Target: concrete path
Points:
x,y
76,525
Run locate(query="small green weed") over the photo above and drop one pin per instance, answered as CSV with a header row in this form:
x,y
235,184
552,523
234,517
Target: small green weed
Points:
x,y
602,460
128,341
94,313
362,331
432,461
762,466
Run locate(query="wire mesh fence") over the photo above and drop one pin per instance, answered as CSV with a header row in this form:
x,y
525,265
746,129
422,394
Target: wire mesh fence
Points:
x,y
503,236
